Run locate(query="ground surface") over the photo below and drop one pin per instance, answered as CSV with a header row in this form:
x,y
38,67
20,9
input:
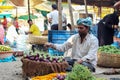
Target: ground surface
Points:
x,y
13,71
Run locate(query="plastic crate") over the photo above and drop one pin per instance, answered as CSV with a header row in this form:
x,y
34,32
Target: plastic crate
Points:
x,y
58,37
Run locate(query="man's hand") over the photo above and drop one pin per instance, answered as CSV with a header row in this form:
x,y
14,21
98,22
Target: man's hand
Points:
x,y
47,45
115,26
80,61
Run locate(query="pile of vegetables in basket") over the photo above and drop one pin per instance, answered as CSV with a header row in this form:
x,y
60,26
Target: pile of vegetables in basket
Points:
x,y
79,72
4,48
44,58
109,49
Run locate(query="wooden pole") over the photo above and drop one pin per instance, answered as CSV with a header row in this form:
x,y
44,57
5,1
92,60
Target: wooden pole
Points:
x,y
86,8
60,14
29,8
16,11
70,11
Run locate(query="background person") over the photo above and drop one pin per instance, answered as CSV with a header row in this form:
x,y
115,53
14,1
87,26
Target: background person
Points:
x,y
34,30
2,35
53,17
107,27
84,45
15,23
4,23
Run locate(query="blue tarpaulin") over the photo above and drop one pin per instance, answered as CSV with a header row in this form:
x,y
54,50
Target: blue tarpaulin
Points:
x,y
8,59
7,15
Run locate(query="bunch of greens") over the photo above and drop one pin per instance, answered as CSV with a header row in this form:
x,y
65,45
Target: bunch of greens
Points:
x,y
80,72
109,49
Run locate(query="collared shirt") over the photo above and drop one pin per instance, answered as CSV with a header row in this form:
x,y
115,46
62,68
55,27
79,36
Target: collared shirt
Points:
x,y
54,15
87,50
35,30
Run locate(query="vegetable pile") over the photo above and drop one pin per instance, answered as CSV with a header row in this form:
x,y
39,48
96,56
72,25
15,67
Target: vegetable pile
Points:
x,y
109,49
80,72
4,48
45,58
52,76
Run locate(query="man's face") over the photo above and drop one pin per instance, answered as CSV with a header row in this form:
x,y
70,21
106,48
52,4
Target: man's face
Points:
x,y
82,29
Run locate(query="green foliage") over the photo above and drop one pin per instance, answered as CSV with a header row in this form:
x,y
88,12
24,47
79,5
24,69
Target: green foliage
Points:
x,y
80,72
109,49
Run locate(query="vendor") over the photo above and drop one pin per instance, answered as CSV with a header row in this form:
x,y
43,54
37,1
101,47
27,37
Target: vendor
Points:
x,y
34,30
84,45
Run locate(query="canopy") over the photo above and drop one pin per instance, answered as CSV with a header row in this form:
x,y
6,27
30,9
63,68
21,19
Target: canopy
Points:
x,y
24,2
7,15
26,17
104,3
43,7
7,7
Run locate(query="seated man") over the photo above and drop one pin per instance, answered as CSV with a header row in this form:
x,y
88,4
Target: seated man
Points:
x,y
84,45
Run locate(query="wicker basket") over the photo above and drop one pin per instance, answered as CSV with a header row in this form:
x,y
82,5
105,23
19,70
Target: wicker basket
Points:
x,y
5,54
108,60
37,39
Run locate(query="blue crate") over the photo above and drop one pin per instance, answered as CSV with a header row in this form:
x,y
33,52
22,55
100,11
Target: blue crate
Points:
x,y
58,37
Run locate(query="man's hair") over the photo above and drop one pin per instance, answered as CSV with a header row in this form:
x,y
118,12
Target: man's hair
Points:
x,y
4,16
29,20
54,6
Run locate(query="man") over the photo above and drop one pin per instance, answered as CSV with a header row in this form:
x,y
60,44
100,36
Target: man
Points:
x,y
107,27
15,23
54,16
84,45
33,29
4,23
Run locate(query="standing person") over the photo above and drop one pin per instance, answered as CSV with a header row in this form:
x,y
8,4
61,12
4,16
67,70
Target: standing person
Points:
x,y
15,23
84,45
106,28
53,17
1,35
4,23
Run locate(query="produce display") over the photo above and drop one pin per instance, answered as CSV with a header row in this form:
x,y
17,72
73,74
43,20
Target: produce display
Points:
x,y
108,56
45,58
4,48
42,64
79,72
109,49
52,76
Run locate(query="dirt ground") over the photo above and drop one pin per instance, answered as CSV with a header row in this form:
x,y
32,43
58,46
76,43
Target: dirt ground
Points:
x,y
13,71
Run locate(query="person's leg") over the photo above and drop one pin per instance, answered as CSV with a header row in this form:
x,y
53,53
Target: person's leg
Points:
x,y
17,30
89,65
54,27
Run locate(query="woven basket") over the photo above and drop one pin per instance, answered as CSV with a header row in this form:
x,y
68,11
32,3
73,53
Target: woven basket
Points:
x,y
108,60
37,39
5,54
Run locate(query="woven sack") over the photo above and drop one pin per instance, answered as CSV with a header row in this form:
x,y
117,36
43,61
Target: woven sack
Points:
x,y
37,39
32,68
108,60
